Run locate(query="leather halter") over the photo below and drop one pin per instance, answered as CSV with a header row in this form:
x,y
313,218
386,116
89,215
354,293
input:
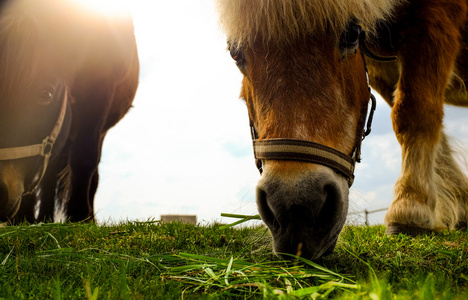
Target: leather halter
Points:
x,y
44,149
306,151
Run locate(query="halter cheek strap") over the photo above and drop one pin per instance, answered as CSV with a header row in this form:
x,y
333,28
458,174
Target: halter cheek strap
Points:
x,y
44,149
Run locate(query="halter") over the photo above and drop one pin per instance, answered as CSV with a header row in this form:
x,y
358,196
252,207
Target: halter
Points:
x,y
44,149
300,150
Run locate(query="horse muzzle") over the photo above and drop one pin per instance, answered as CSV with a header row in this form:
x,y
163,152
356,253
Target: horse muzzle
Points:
x,y
304,206
11,191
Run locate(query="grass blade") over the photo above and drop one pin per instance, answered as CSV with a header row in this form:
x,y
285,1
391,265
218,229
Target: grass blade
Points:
x,y
228,271
243,219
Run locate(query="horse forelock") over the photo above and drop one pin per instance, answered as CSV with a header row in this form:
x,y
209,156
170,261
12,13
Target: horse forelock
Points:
x,y
19,55
247,21
33,45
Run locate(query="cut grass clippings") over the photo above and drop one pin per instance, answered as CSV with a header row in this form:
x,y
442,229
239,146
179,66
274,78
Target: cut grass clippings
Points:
x,y
228,277
242,219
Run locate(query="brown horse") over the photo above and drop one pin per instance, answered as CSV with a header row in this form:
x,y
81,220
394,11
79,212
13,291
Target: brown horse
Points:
x,y
68,74
305,86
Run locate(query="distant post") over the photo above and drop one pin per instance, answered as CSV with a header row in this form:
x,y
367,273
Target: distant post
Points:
x,y
188,219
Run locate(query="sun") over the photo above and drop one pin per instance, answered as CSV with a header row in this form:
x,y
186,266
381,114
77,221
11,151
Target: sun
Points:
x,y
109,7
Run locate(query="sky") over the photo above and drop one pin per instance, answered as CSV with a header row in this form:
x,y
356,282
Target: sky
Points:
x,y
185,146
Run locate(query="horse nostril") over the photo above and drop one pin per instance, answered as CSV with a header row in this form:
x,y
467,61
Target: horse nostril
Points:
x,y
263,206
310,202
333,208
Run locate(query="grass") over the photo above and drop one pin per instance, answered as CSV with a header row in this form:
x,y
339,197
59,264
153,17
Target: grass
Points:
x,y
148,260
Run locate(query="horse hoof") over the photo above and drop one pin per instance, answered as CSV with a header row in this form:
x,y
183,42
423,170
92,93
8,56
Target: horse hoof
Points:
x,y
411,230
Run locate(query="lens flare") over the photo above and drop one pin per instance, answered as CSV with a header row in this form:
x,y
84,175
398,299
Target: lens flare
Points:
x,y
108,7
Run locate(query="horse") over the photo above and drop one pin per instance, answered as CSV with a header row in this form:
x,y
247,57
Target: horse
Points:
x,y
307,66
69,73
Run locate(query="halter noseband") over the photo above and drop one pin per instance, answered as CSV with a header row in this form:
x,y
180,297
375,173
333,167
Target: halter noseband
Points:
x,y
44,149
306,151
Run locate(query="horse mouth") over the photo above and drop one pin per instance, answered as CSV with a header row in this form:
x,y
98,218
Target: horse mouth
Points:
x,y
309,244
304,219
308,240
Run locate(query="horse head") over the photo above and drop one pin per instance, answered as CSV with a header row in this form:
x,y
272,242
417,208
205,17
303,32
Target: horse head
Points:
x,y
35,128
304,84
35,99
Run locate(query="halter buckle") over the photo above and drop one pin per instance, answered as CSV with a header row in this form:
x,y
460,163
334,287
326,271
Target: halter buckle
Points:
x,y
47,146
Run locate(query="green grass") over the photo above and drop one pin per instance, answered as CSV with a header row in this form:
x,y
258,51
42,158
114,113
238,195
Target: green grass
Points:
x,y
148,260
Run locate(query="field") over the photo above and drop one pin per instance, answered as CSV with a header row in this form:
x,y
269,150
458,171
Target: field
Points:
x,y
148,260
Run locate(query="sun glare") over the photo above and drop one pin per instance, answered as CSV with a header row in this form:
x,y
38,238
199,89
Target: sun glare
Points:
x,y
109,7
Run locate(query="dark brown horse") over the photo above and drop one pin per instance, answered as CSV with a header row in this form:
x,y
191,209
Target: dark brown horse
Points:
x,y
67,75
305,86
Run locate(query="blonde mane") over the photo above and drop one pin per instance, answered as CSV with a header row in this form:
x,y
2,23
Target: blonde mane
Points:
x,y
282,20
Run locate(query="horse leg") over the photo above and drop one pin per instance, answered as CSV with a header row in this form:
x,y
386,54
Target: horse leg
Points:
x,y
417,116
452,189
457,93
383,77
85,158
451,183
93,100
414,204
450,192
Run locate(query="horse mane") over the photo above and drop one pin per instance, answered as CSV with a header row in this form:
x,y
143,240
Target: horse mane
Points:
x,y
247,21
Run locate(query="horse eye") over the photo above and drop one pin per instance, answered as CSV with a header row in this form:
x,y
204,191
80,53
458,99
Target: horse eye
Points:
x,y
349,39
46,95
237,55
